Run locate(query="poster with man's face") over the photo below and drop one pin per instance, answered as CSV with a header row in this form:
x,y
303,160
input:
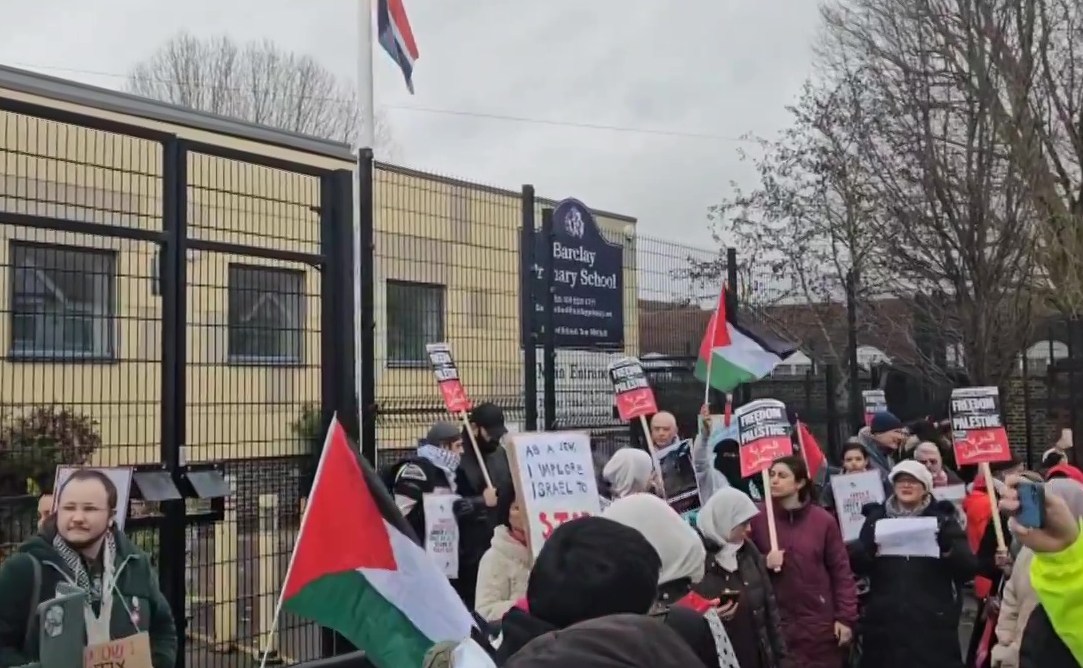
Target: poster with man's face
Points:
x,y
121,477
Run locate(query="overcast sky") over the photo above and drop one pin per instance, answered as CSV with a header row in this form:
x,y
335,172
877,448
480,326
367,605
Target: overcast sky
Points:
x,y
684,80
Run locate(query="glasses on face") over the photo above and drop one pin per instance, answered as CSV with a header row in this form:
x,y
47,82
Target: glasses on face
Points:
x,y
928,462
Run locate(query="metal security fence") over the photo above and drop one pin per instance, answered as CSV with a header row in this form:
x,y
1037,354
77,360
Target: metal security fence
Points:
x,y
175,298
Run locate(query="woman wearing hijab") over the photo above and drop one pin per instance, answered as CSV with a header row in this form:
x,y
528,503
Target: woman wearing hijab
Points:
x,y
735,570
683,556
628,471
505,567
811,573
80,545
913,606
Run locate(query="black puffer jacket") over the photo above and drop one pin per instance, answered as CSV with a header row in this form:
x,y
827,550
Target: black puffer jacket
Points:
x,y
914,603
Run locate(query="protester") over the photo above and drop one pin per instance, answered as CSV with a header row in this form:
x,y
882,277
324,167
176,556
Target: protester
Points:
x,y
1053,636
913,606
588,568
813,582
683,556
664,430
714,464
735,566
978,530
476,510
45,508
615,641
629,471
431,469
82,546
854,459
505,568
882,440
928,455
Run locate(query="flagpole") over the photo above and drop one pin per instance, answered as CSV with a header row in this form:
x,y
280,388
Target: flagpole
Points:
x,y
366,138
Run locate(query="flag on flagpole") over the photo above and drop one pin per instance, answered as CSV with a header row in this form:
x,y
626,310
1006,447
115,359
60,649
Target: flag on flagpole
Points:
x,y
811,451
397,38
731,354
354,569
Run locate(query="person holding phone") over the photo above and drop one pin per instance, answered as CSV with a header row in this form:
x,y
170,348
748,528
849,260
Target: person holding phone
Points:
x,y
736,576
1053,636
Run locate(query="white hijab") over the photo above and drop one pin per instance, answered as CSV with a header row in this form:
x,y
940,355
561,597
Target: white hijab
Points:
x,y
628,471
726,510
677,544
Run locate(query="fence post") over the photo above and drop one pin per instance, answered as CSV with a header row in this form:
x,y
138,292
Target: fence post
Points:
x,y
856,419
225,573
528,312
268,575
174,279
831,409
365,280
549,352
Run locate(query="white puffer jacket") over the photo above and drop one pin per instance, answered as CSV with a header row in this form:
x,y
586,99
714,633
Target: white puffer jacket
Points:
x,y
502,575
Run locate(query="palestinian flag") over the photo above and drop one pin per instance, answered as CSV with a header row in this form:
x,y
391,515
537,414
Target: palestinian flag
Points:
x,y
733,354
356,570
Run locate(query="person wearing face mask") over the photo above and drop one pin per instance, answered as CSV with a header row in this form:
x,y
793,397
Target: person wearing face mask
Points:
x,y
505,567
81,545
628,471
913,606
477,509
810,570
736,574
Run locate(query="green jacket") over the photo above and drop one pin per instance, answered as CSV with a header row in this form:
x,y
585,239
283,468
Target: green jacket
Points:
x,y
136,582
1057,578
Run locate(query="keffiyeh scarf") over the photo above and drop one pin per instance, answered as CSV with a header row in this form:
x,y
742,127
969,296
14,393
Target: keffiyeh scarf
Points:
x,y
444,459
98,589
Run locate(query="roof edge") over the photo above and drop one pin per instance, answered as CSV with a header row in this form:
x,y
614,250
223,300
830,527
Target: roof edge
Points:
x,y
104,99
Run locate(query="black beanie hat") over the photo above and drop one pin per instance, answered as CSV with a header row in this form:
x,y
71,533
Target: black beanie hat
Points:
x,y
592,567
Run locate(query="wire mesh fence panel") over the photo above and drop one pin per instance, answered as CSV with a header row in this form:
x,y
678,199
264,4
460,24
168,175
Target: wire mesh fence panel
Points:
x,y
447,269
253,393
80,349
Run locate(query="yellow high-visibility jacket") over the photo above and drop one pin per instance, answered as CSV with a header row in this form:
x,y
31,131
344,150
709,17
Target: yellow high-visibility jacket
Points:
x,y
1057,578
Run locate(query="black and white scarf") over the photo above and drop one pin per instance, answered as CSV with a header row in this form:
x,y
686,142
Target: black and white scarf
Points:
x,y
98,589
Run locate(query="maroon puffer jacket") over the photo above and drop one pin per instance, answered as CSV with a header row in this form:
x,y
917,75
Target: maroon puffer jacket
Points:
x,y
816,586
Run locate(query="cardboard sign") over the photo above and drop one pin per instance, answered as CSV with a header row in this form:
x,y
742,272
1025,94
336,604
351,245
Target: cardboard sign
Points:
x,y
978,433
631,390
442,533
875,402
120,476
764,434
447,377
679,478
554,478
130,652
853,491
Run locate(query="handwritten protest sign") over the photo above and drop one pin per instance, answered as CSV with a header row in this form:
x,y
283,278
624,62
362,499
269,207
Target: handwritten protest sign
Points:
x,y
633,393
875,402
120,476
447,377
764,434
130,652
978,434
442,532
852,492
554,479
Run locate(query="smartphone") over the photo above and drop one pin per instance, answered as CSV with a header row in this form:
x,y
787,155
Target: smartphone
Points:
x,y
728,596
1031,513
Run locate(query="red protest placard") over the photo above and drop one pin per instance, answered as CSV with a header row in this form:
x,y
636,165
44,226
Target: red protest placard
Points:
x,y
977,431
875,402
763,433
632,391
447,377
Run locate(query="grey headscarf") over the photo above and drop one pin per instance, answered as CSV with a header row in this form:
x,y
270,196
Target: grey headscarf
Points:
x,y
727,509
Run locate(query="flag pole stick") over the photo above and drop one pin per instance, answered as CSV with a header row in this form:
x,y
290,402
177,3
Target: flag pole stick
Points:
x,y
300,531
477,451
366,138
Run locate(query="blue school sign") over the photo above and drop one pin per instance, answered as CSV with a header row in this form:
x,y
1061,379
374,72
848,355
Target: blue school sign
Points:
x,y
588,281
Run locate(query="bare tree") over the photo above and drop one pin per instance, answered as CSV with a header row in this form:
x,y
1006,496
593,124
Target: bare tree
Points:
x,y
957,227
257,82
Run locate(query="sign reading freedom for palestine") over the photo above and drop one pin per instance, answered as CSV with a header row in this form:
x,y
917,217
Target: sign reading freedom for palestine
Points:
x,y
588,281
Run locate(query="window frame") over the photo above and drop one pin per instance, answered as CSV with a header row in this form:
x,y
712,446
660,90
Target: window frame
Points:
x,y
111,345
234,359
438,289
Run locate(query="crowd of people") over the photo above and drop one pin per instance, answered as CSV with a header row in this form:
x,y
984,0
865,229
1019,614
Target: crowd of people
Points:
x,y
641,585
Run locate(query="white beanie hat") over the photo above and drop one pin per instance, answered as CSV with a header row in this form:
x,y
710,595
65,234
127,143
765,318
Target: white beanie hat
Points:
x,y
914,470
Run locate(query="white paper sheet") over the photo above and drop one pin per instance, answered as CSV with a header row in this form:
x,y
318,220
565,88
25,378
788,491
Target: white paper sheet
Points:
x,y
907,537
